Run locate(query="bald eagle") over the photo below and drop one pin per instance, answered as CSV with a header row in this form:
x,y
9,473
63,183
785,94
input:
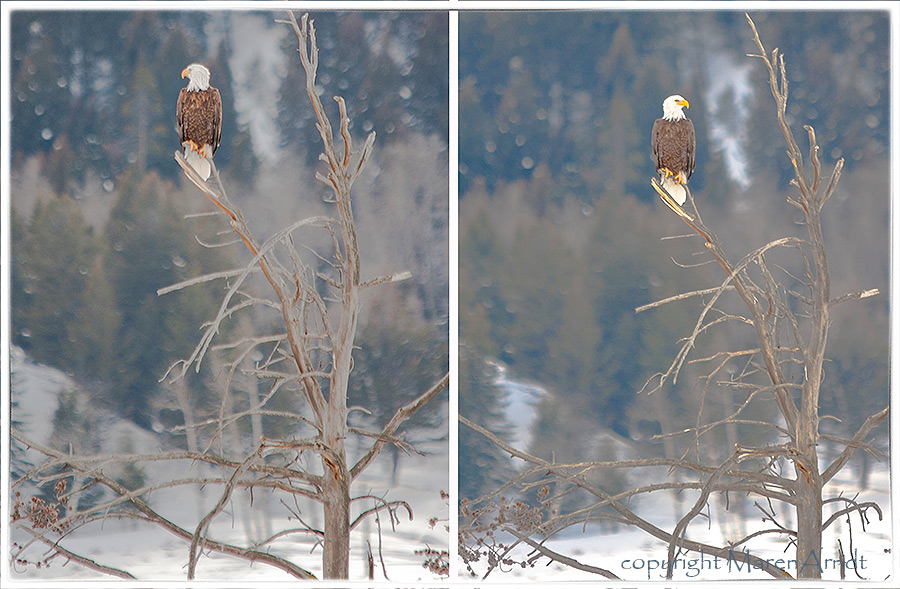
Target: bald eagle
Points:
x,y
673,143
199,115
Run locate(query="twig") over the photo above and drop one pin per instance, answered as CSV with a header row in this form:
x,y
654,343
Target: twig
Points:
x,y
682,296
561,558
859,507
203,526
82,560
855,441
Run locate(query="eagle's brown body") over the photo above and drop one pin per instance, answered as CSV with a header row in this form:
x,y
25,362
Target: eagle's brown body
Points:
x,y
673,148
199,114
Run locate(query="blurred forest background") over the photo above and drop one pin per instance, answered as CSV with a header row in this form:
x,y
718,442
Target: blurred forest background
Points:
x,y
561,234
102,216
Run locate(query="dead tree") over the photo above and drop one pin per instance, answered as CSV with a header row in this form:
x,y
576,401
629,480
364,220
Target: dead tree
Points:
x,y
789,316
316,297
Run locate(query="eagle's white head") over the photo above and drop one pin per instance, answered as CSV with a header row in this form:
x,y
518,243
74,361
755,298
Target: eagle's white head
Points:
x,y
198,77
671,107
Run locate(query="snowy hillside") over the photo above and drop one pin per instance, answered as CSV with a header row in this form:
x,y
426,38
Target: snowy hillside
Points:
x,y
149,552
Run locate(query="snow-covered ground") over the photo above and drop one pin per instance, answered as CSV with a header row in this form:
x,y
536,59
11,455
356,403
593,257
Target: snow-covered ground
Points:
x,y
519,405
150,553
634,555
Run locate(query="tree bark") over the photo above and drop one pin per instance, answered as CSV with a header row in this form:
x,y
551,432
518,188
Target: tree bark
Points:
x,y
809,524
336,501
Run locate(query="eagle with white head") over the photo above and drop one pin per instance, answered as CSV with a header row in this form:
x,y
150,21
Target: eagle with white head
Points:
x,y
673,144
199,116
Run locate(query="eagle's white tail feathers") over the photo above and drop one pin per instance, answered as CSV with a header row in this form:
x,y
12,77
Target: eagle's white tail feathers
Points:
x,y
198,162
675,190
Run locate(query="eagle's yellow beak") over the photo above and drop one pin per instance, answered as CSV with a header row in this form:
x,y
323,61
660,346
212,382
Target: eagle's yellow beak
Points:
x,y
184,73
683,103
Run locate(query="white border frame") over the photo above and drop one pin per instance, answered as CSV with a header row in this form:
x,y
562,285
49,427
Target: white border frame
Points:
x,y
453,7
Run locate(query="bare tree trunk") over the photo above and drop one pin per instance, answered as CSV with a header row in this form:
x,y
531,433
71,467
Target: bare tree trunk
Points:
x,y
336,483
184,403
336,500
806,466
253,398
336,556
811,198
809,527
183,398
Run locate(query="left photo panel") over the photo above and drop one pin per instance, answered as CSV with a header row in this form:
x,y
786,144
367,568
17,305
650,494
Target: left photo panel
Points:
x,y
228,296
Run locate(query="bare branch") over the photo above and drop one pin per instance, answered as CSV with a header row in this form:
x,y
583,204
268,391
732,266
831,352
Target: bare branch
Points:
x,y
82,560
153,516
203,526
629,517
853,296
854,506
399,417
681,527
391,506
95,463
679,297
561,558
855,442
832,182
386,279
200,280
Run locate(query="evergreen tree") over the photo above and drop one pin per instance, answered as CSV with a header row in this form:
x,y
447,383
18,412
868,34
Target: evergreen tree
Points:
x,y
145,131
474,136
219,65
58,165
60,311
40,88
480,301
151,247
235,153
482,466
427,76
620,156
573,347
532,281
394,365
73,71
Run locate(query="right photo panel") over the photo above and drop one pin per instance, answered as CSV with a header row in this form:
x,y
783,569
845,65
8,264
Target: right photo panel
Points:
x,y
674,295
